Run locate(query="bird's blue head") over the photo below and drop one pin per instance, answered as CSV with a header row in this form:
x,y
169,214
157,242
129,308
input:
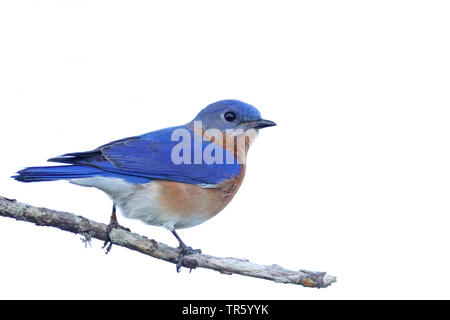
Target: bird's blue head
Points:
x,y
231,114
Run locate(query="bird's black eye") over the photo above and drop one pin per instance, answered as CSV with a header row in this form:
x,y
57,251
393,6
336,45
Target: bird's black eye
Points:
x,y
230,116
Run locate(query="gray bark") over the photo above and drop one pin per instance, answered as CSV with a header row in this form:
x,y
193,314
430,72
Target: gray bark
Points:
x,y
91,229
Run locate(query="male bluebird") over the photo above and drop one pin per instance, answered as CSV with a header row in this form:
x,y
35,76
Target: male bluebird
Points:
x,y
145,178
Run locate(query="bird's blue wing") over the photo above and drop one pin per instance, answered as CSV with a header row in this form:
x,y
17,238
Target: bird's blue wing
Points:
x,y
150,156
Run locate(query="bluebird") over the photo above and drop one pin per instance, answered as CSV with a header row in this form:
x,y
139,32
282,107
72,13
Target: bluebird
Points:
x,y
176,177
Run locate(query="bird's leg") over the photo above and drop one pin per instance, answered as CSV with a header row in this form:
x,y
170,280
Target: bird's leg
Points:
x,y
185,250
112,224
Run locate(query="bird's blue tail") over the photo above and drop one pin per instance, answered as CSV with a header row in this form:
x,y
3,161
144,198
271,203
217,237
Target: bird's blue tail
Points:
x,y
36,174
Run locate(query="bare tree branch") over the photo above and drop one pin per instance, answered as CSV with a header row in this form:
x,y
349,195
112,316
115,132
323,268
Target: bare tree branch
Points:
x,y
80,225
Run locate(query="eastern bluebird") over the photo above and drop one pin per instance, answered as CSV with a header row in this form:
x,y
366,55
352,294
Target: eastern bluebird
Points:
x,y
176,177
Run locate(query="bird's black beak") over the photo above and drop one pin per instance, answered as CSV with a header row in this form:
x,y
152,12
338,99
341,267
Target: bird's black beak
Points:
x,y
259,124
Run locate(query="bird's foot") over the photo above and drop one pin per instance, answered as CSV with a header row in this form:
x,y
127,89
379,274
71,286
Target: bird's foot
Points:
x,y
185,250
112,225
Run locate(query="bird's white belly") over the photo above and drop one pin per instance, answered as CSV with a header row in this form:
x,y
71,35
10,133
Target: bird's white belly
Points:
x,y
141,202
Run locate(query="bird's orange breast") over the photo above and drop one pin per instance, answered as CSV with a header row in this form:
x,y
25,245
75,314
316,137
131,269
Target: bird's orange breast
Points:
x,y
188,200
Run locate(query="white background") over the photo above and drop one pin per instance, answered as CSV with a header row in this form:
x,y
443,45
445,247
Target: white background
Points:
x,y
354,180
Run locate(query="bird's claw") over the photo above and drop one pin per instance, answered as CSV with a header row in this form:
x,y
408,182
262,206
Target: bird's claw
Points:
x,y
112,225
185,251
